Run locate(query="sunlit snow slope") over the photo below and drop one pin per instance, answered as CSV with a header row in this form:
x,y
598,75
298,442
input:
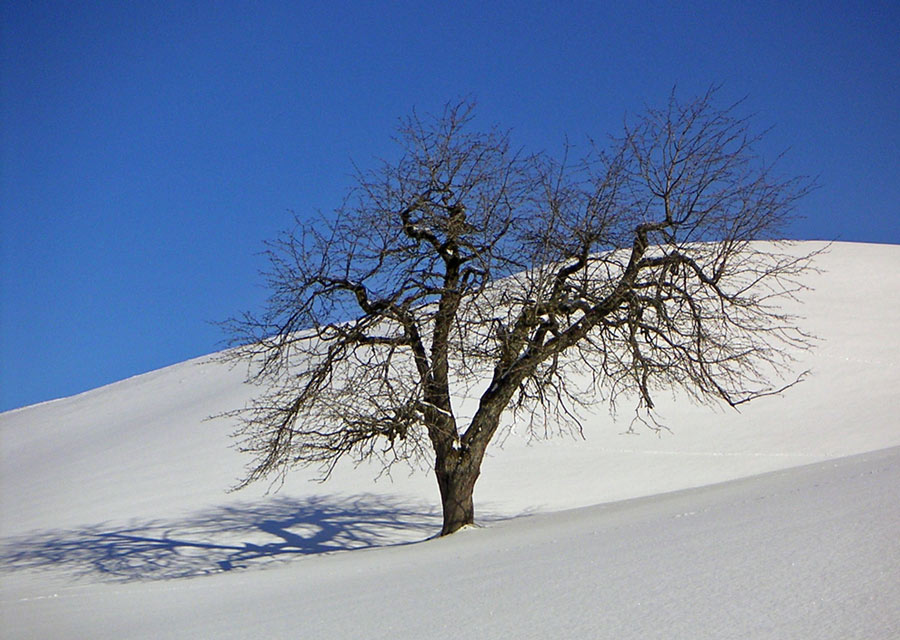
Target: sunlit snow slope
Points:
x,y
116,521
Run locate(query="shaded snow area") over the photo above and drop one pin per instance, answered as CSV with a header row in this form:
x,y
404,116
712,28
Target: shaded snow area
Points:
x,y
780,521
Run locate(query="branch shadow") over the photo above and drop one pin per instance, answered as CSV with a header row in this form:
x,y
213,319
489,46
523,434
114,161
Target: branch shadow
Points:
x,y
222,539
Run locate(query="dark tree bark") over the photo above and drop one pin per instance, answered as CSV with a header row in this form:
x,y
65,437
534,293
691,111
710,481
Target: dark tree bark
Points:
x,y
456,478
654,264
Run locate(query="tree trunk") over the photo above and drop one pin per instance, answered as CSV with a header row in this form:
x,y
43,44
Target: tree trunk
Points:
x,y
457,484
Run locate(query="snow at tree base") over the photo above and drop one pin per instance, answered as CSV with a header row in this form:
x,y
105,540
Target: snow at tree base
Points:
x,y
778,521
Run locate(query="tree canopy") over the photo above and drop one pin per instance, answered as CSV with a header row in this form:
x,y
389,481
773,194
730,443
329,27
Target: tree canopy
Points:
x,y
534,285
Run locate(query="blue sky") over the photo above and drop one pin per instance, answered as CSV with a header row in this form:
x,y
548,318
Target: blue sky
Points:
x,y
150,148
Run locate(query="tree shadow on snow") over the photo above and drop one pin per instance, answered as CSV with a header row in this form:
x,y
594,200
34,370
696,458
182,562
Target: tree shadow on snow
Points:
x,y
222,539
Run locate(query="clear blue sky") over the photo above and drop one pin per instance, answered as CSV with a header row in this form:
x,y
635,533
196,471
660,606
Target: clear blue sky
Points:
x,y
149,148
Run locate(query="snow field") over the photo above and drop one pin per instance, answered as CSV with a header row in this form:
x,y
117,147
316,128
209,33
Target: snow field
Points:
x,y
115,520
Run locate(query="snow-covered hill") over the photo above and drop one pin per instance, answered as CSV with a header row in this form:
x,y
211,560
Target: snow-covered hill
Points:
x,y
116,521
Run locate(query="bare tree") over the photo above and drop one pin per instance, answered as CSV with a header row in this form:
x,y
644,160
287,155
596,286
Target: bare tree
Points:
x,y
466,268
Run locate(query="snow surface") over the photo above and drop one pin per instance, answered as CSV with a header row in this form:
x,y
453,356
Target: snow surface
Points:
x,y
777,522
